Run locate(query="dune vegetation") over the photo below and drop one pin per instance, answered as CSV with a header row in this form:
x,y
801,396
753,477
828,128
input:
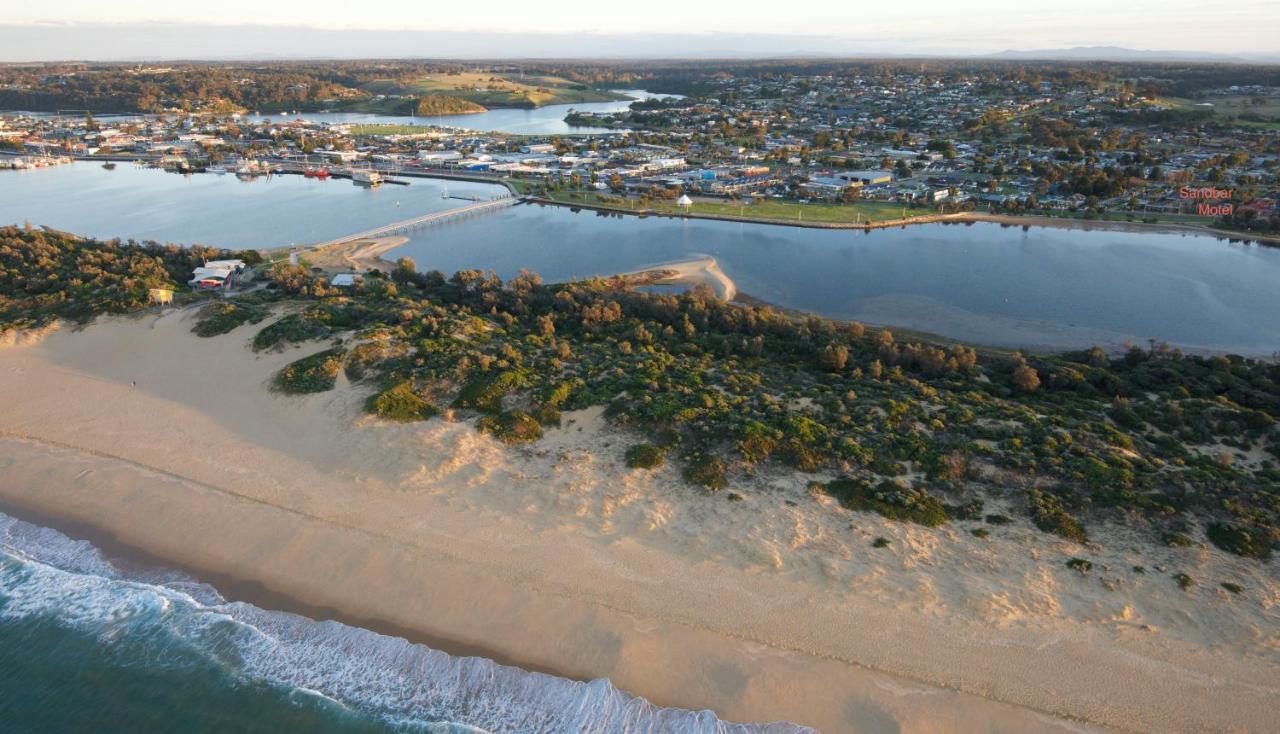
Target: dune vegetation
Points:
x,y
1185,446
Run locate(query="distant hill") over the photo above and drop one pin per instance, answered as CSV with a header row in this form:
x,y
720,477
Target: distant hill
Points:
x,y
1117,53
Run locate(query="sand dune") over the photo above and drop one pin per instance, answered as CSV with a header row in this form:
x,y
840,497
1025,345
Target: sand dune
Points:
x,y
775,607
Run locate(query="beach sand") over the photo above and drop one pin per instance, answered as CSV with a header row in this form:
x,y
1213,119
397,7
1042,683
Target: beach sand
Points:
x,y
699,269
558,558
356,256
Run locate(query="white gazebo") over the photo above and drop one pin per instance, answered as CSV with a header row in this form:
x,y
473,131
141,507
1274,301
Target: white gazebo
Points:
x,y
684,202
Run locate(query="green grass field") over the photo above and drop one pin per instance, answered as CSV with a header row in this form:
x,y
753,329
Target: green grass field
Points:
x,y
382,129
862,211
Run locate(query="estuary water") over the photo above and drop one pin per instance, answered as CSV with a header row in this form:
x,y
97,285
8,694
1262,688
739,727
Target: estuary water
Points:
x,y
548,120
1036,288
133,202
1045,288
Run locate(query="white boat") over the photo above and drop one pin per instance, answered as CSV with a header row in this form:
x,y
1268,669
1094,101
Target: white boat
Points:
x,y
366,178
219,170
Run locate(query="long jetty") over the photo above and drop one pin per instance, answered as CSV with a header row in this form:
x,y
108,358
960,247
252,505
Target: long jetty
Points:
x,y
427,220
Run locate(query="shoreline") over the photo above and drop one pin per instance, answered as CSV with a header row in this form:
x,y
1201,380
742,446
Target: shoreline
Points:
x,y
955,218
235,588
363,255
557,557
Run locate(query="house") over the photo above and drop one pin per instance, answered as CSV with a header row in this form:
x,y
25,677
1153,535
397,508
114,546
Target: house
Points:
x,y
866,178
216,273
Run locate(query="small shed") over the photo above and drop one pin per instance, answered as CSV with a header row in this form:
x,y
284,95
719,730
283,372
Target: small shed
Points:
x,y
345,280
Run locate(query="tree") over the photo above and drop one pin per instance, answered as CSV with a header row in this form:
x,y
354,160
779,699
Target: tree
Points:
x,y
834,357
1026,379
406,270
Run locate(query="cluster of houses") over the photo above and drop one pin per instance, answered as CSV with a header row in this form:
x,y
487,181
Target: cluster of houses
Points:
x,y
806,137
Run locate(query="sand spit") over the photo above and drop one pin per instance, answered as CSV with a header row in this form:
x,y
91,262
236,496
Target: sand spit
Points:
x,y
699,269
357,256
775,607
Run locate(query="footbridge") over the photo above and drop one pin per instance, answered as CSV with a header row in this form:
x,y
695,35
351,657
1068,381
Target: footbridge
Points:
x,y
428,220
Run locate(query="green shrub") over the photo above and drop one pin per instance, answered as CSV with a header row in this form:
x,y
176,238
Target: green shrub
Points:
x,y
1233,588
1080,564
316,373
1240,540
484,390
1184,581
365,356
511,426
971,510
401,403
558,395
547,415
223,316
894,501
757,444
705,470
1048,515
288,330
796,454
980,532
998,519
1177,540
880,542
645,456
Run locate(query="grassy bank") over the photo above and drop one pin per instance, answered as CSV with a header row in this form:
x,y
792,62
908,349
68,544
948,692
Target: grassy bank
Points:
x,y
860,212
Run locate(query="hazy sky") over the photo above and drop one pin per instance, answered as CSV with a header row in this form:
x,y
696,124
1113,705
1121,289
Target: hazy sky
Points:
x,y
976,26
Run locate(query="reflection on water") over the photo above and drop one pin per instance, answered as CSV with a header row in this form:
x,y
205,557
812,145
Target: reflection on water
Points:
x,y
547,120
147,203
981,283
984,283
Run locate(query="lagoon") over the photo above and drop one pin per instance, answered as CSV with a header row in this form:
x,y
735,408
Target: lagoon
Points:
x,y
139,203
1044,288
548,120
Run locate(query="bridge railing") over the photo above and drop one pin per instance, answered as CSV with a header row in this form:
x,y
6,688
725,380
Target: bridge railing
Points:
x,y
425,220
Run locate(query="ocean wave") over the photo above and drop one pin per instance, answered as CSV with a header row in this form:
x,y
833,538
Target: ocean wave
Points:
x,y
43,573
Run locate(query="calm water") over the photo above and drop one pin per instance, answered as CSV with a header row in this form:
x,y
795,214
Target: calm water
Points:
x,y
547,120
1045,288
984,283
147,203
88,646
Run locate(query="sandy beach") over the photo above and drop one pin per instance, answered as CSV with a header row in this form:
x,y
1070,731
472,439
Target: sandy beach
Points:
x,y
558,558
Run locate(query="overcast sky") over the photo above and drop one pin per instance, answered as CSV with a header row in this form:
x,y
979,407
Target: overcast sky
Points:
x,y
917,26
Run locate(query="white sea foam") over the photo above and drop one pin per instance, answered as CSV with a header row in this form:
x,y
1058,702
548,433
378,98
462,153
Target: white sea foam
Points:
x,y
43,572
